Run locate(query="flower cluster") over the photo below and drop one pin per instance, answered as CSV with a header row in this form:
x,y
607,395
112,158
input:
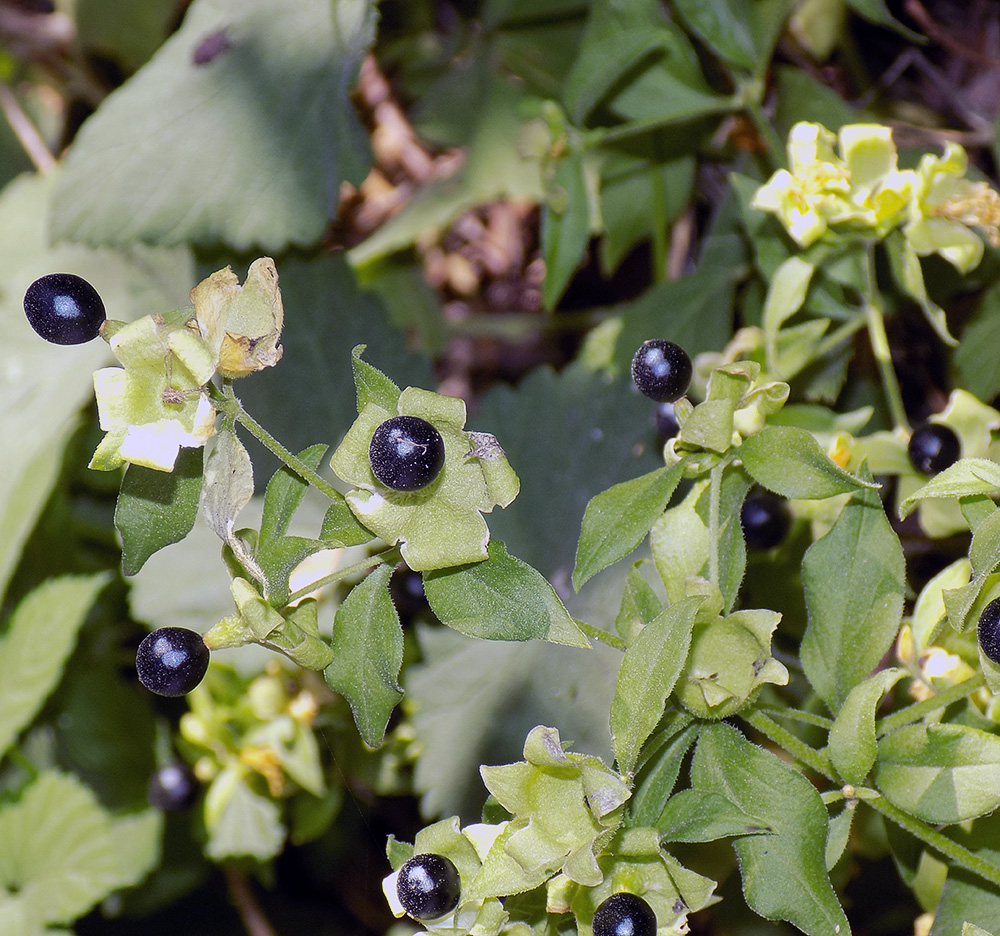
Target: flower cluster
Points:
x,y
861,187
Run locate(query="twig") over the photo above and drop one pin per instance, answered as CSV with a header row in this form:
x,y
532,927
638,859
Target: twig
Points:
x,y
254,921
29,138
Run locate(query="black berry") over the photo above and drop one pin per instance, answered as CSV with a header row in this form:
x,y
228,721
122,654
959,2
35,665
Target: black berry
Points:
x,y
661,370
171,661
172,788
64,308
428,886
406,588
624,915
406,453
666,422
988,630
765,519
933,448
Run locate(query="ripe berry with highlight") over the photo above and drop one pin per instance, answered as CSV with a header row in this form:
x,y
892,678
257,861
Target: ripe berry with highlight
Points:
x,y
624,915
428,886
406,453
64,308
933,447
171,661
988,630
765,520
661,370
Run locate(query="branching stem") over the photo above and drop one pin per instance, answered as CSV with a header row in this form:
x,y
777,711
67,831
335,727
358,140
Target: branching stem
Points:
x,y
388,556
915,712
880,342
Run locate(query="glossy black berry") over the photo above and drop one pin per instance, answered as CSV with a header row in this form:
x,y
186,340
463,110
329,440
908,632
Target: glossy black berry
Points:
x,y
666,422
173,788
64,308
624,915
406,453
661,370
765,519
428,886
933,448
988,630
171,661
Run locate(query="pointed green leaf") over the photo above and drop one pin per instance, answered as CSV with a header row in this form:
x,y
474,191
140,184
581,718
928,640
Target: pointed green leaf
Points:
x,y
647,676
743,34
639,605
267,99
704,816
731,546
240,822
284,493
984,557
852,737
341,527
680,544
785,296
965,478
788,461
655,780
39,640
784,873
618,519
838,835
850,629
368,654
940,773
228,487
565,228
371,384
157,508
277,559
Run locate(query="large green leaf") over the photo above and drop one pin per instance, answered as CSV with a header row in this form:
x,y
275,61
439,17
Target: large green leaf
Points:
x,y
618,519
63,853
704,816
43,385
566,230
127,30
157,508
284,493
501,598
940,773
248,145
241,822
851,628
39,640
473,702
647,676
966,896
368,654
784,873
852,737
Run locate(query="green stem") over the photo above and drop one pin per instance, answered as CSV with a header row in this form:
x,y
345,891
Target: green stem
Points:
x,y
602,635
813,759
776,148
230,406
389,556
947,848
806,718
714,523
838,336
880,343
940,700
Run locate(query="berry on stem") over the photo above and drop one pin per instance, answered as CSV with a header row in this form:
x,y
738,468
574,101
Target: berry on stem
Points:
x,y
765,520
64,308
173,788
171,661
933,447
406,453
624,915
661,370
428,886
988,630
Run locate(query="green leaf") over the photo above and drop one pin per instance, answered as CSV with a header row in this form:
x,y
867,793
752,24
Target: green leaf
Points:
x,y
655,780
966,897
929,612
788,461
647,676
36,646
157,508
618,519
284,493
876,11
240,822
129,31
61,850
785,296
965,478
502,598
838,835
784,873
341,527
228,488
852,737
743,34
639,604
732,549
277,559
703,816
940,773
851,628
980,373
984,557
565,231
271,106
371,384
679,541
368,654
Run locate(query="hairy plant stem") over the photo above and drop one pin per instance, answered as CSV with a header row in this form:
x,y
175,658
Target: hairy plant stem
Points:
x,y
227,403
714,522
813,759
389,557
27,135
880,342
806,718
918,710
602,635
